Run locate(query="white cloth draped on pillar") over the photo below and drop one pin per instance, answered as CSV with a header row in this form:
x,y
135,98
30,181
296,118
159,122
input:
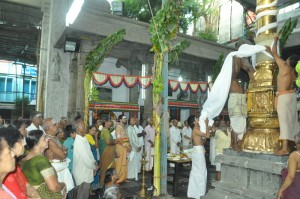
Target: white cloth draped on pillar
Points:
x,y
219,92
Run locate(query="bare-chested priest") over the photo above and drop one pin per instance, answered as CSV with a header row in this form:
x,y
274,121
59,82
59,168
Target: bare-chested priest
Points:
x,y
237,106
198,175
286,101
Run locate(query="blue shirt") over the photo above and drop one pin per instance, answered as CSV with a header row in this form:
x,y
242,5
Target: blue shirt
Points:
x,y
69,144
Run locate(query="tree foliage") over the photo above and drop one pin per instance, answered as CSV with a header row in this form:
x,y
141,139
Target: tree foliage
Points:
x,y
140,10
18,107
164,29
217,67
93,61
286,31
208,34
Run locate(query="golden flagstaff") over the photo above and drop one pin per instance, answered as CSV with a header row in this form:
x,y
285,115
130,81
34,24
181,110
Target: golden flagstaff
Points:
x,y
263,135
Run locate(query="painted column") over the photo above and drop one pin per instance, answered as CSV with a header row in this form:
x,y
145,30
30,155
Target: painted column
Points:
x,y
164,129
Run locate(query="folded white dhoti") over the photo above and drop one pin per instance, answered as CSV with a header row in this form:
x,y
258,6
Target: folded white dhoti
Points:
x,y
63,172
288,115
237,111
198,175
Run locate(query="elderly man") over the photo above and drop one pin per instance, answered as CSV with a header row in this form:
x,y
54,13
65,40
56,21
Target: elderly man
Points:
x,y
37,121
186,136
133,169
149,143
57,155
63,122
175,138
84,164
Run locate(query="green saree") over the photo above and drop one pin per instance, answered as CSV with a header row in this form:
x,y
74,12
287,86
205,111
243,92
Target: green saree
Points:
x,y
35,170
107,154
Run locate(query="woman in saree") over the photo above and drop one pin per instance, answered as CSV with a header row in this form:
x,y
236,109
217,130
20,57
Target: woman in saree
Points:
x,y
15,181
291,176
106,150
38,170
7,160
92,137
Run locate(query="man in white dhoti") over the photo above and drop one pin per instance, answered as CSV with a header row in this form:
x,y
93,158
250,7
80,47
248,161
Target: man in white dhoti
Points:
x,y
186,136
57,155
175,138
286,99
198,175
135,148
140,134
237,107
149,144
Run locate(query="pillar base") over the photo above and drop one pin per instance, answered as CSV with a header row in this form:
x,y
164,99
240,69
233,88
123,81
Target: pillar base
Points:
x,y
261,140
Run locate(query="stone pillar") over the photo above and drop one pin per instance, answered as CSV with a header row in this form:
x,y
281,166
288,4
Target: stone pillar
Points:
x,y
85,47
54,63
148,102
73,89
43,55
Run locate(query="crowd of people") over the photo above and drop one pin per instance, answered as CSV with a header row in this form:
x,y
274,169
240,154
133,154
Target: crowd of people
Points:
x,y
49,159
65,159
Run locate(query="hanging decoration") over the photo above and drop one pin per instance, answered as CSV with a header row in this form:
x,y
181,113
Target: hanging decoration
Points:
x,y
145,81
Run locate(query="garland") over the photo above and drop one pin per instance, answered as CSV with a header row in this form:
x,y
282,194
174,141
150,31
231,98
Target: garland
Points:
x,y
145,82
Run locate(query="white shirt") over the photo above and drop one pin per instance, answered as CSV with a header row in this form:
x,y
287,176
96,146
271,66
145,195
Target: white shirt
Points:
x,y
83,161
188,132
139,130
134,142
175,137
33,127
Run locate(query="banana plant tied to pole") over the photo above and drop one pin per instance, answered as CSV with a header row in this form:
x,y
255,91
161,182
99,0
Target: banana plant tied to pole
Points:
x,y
163,28
93,61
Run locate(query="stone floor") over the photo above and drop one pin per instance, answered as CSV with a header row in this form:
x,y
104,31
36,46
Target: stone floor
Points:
x,y
129,190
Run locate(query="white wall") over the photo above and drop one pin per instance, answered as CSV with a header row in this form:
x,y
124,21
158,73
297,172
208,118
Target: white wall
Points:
x,y
120,94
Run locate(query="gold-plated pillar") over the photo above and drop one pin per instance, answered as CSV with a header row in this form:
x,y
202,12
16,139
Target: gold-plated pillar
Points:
x,y
263,125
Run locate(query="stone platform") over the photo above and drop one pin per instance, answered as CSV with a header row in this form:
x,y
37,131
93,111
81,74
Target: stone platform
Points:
x,y
248,175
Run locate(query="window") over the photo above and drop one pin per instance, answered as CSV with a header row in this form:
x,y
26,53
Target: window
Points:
x,y
2,84
9,85
33,90
26,86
